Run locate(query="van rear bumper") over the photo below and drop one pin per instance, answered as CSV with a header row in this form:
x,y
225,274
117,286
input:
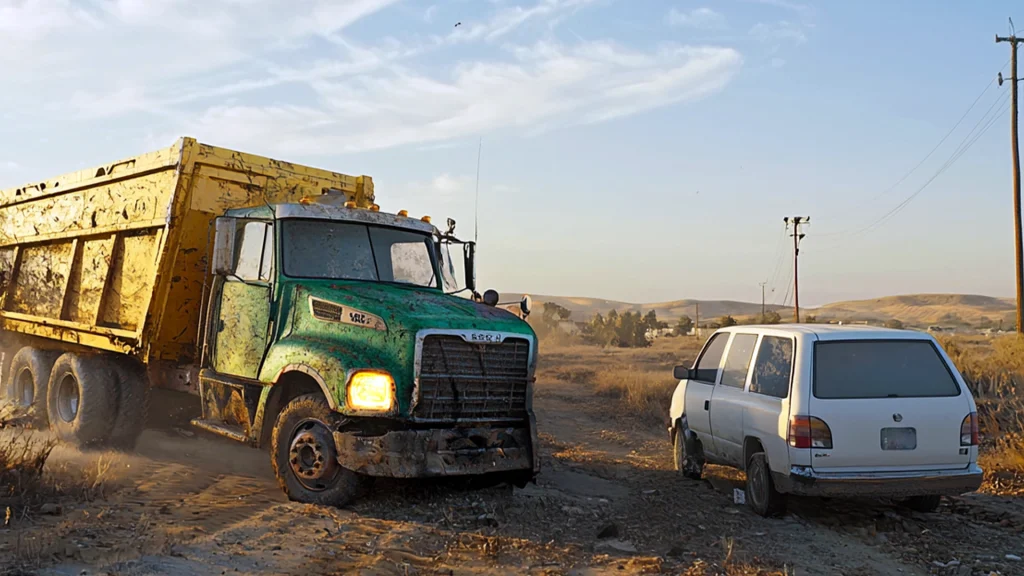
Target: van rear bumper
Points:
x,y
805,481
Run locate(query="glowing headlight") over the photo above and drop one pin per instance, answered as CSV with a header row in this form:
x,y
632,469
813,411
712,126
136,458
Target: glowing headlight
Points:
x,y
370,390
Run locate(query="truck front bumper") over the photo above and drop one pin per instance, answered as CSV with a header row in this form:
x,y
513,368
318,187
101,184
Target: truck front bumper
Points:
x,y
806,482
438,452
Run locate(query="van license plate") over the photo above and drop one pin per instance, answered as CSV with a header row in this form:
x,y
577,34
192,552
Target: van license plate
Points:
x,y
899,438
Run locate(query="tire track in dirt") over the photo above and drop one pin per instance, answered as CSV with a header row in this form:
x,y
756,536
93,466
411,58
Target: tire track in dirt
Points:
x,y
199,505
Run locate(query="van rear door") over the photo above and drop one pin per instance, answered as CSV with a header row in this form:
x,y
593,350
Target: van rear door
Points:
x,y
891,405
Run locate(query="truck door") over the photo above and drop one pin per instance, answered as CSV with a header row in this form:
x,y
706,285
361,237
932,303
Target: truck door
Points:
x,y
240,331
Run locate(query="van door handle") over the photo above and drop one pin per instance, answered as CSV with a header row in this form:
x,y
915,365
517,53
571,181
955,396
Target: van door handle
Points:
x,y
707,404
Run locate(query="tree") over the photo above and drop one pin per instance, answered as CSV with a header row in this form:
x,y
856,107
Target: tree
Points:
x,y
684,326
894,324
810,319
726,321
772,317
554,313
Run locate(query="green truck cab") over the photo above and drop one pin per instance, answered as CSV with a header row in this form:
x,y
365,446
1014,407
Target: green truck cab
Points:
x,y
333,337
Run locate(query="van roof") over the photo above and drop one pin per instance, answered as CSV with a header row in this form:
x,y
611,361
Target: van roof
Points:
x,y
832,331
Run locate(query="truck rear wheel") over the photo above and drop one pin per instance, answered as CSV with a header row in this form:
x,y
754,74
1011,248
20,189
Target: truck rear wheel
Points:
x,y
132,402
28,381
305,458
82,399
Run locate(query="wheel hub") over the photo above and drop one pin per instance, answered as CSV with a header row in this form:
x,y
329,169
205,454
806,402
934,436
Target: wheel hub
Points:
x,y
757,485
68,398
24,388
311,455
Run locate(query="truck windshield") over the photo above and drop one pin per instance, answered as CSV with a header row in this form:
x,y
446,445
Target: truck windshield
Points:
x,y
353,251
881,369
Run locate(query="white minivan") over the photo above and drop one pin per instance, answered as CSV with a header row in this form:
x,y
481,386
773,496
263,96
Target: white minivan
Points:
x,y
827,410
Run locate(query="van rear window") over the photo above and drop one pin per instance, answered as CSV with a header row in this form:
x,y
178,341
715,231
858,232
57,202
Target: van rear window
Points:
x,y
881,369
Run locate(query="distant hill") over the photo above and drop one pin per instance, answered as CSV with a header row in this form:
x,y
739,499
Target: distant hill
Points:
x,y
912,309
585,308
926,309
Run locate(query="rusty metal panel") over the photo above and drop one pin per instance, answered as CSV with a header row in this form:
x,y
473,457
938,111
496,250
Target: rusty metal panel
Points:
x,y
115,257
130,282
38,288
88,280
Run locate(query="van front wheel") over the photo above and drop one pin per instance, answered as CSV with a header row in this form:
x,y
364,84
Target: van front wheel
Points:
x,y
305,458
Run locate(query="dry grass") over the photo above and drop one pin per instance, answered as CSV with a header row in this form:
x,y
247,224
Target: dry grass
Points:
x,y
640,392
28,483
639,378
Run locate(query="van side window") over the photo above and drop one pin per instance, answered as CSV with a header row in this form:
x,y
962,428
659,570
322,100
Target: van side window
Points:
x,y
738,361
707,365
255,258
773,367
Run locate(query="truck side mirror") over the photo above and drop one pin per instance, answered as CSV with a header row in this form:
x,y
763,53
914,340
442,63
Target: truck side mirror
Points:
x,y
224,245
469,250
684,373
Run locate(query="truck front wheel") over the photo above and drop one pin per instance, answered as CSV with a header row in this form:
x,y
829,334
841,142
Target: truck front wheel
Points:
x,y
305,458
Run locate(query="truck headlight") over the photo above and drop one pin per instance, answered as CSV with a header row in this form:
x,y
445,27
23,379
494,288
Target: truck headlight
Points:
x,y
371,390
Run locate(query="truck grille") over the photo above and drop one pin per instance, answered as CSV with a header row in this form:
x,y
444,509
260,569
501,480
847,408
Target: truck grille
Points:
x,y
459,380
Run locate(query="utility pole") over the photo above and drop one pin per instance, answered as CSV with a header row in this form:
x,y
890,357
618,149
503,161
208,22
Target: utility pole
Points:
x,y
762,300
1019,247
696,322
797,221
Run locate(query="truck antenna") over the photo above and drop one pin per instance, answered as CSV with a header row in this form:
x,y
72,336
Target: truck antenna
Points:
x,y
476,217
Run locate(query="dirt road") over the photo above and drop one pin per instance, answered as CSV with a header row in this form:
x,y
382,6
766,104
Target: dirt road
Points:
x,y
607,502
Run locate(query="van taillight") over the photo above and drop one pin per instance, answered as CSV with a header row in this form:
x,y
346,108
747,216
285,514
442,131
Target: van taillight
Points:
x,y
809,432
969,430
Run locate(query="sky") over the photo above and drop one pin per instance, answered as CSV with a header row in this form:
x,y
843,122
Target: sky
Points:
x,y
636,150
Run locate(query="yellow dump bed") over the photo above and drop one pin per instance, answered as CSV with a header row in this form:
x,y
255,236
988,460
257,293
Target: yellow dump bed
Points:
x,y
115,257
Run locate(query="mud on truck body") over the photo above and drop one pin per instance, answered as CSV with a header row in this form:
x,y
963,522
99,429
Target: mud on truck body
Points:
x,y
306,320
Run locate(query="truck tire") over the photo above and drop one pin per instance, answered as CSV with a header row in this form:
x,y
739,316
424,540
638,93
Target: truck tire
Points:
x,y
28,381
82,399
687,465
761,493
304,455
132,402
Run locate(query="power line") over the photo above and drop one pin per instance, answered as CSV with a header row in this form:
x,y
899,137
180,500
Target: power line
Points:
x,y
960,150
943,140
937,146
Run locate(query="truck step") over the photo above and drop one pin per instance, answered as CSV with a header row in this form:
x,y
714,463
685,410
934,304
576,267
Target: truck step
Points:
x,y
227,430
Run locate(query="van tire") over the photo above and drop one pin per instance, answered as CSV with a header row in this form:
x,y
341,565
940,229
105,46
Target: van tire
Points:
x,y
82,399
923,503
687,465
308,421
760,492
28,381
132,402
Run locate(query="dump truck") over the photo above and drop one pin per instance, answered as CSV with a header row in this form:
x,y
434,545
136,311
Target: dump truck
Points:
x,y
304,319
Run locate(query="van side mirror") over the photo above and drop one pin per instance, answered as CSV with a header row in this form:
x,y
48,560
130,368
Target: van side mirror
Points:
x,y
684,373
224,245
469,252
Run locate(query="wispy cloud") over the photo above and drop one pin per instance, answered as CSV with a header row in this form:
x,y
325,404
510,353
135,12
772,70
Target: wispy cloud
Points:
x,y
804,11
544,83
776,33
296,83
702,18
